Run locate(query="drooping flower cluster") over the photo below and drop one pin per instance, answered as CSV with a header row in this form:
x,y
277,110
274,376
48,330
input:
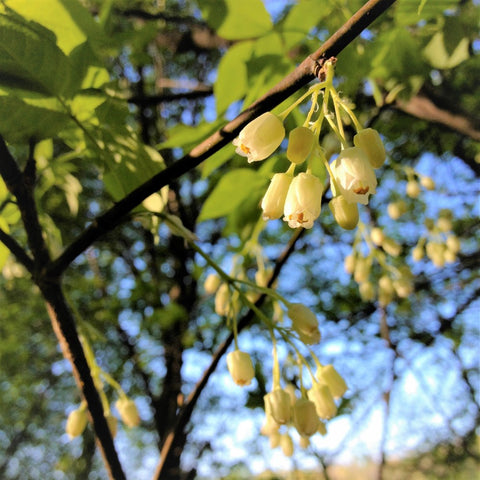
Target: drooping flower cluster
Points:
x,y
78,419
299,197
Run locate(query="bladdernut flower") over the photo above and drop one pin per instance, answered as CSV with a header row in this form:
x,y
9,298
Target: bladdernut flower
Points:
x,y
370,142
76,422
274,199
260,138
304,201
354,175
304,321
345,213
128,412
329,375
300,144
322,397
279,405
305,417
240,367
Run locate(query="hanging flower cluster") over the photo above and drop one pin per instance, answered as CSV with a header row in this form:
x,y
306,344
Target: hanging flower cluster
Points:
x,y
299,408
298,197
78,419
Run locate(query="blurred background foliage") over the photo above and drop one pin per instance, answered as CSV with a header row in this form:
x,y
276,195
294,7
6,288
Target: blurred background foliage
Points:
x,y
126,79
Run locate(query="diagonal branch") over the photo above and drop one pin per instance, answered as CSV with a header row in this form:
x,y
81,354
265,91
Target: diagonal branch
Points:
x,y
301,76
17,250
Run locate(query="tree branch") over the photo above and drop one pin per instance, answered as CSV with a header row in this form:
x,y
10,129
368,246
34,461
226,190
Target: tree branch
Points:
x,y
422,106
301,76
20,254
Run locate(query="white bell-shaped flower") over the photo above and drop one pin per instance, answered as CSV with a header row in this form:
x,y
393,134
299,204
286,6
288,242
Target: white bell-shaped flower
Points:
x,y
304,201
274,199
260,138
354,175
240,367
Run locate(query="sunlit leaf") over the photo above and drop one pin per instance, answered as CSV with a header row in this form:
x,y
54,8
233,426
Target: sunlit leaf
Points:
x,y
236,20
232,190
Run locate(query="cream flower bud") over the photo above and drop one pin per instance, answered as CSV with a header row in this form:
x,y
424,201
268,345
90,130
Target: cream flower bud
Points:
x,y
417,253
385,290
212,282
300,144
270,426
274,438
304,442
322,429
349,264
303,319
321,396
112,423
436,253
305,417
222,300
354,175
427,183
329,375
367,291
260,138
274,199
128,412
76,422
304,201
370,142
396,209
444,222
240,367
377,236
345,213
403,287
391,247
453,243
362,270
286,443
412,189
279,405
449,256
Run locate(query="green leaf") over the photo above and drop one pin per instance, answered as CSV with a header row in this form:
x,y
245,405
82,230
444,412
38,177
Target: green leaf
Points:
x,y
68,19
186,136
301,19
20,121
231,84
236,20
410,12
232,190
129,164
217,160
437,54
30,59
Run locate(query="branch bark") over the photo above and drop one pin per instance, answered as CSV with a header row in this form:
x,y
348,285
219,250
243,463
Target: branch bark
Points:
x,y
301,76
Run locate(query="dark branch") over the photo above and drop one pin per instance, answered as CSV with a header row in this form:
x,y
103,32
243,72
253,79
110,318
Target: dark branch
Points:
x,y
20,254
300,77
